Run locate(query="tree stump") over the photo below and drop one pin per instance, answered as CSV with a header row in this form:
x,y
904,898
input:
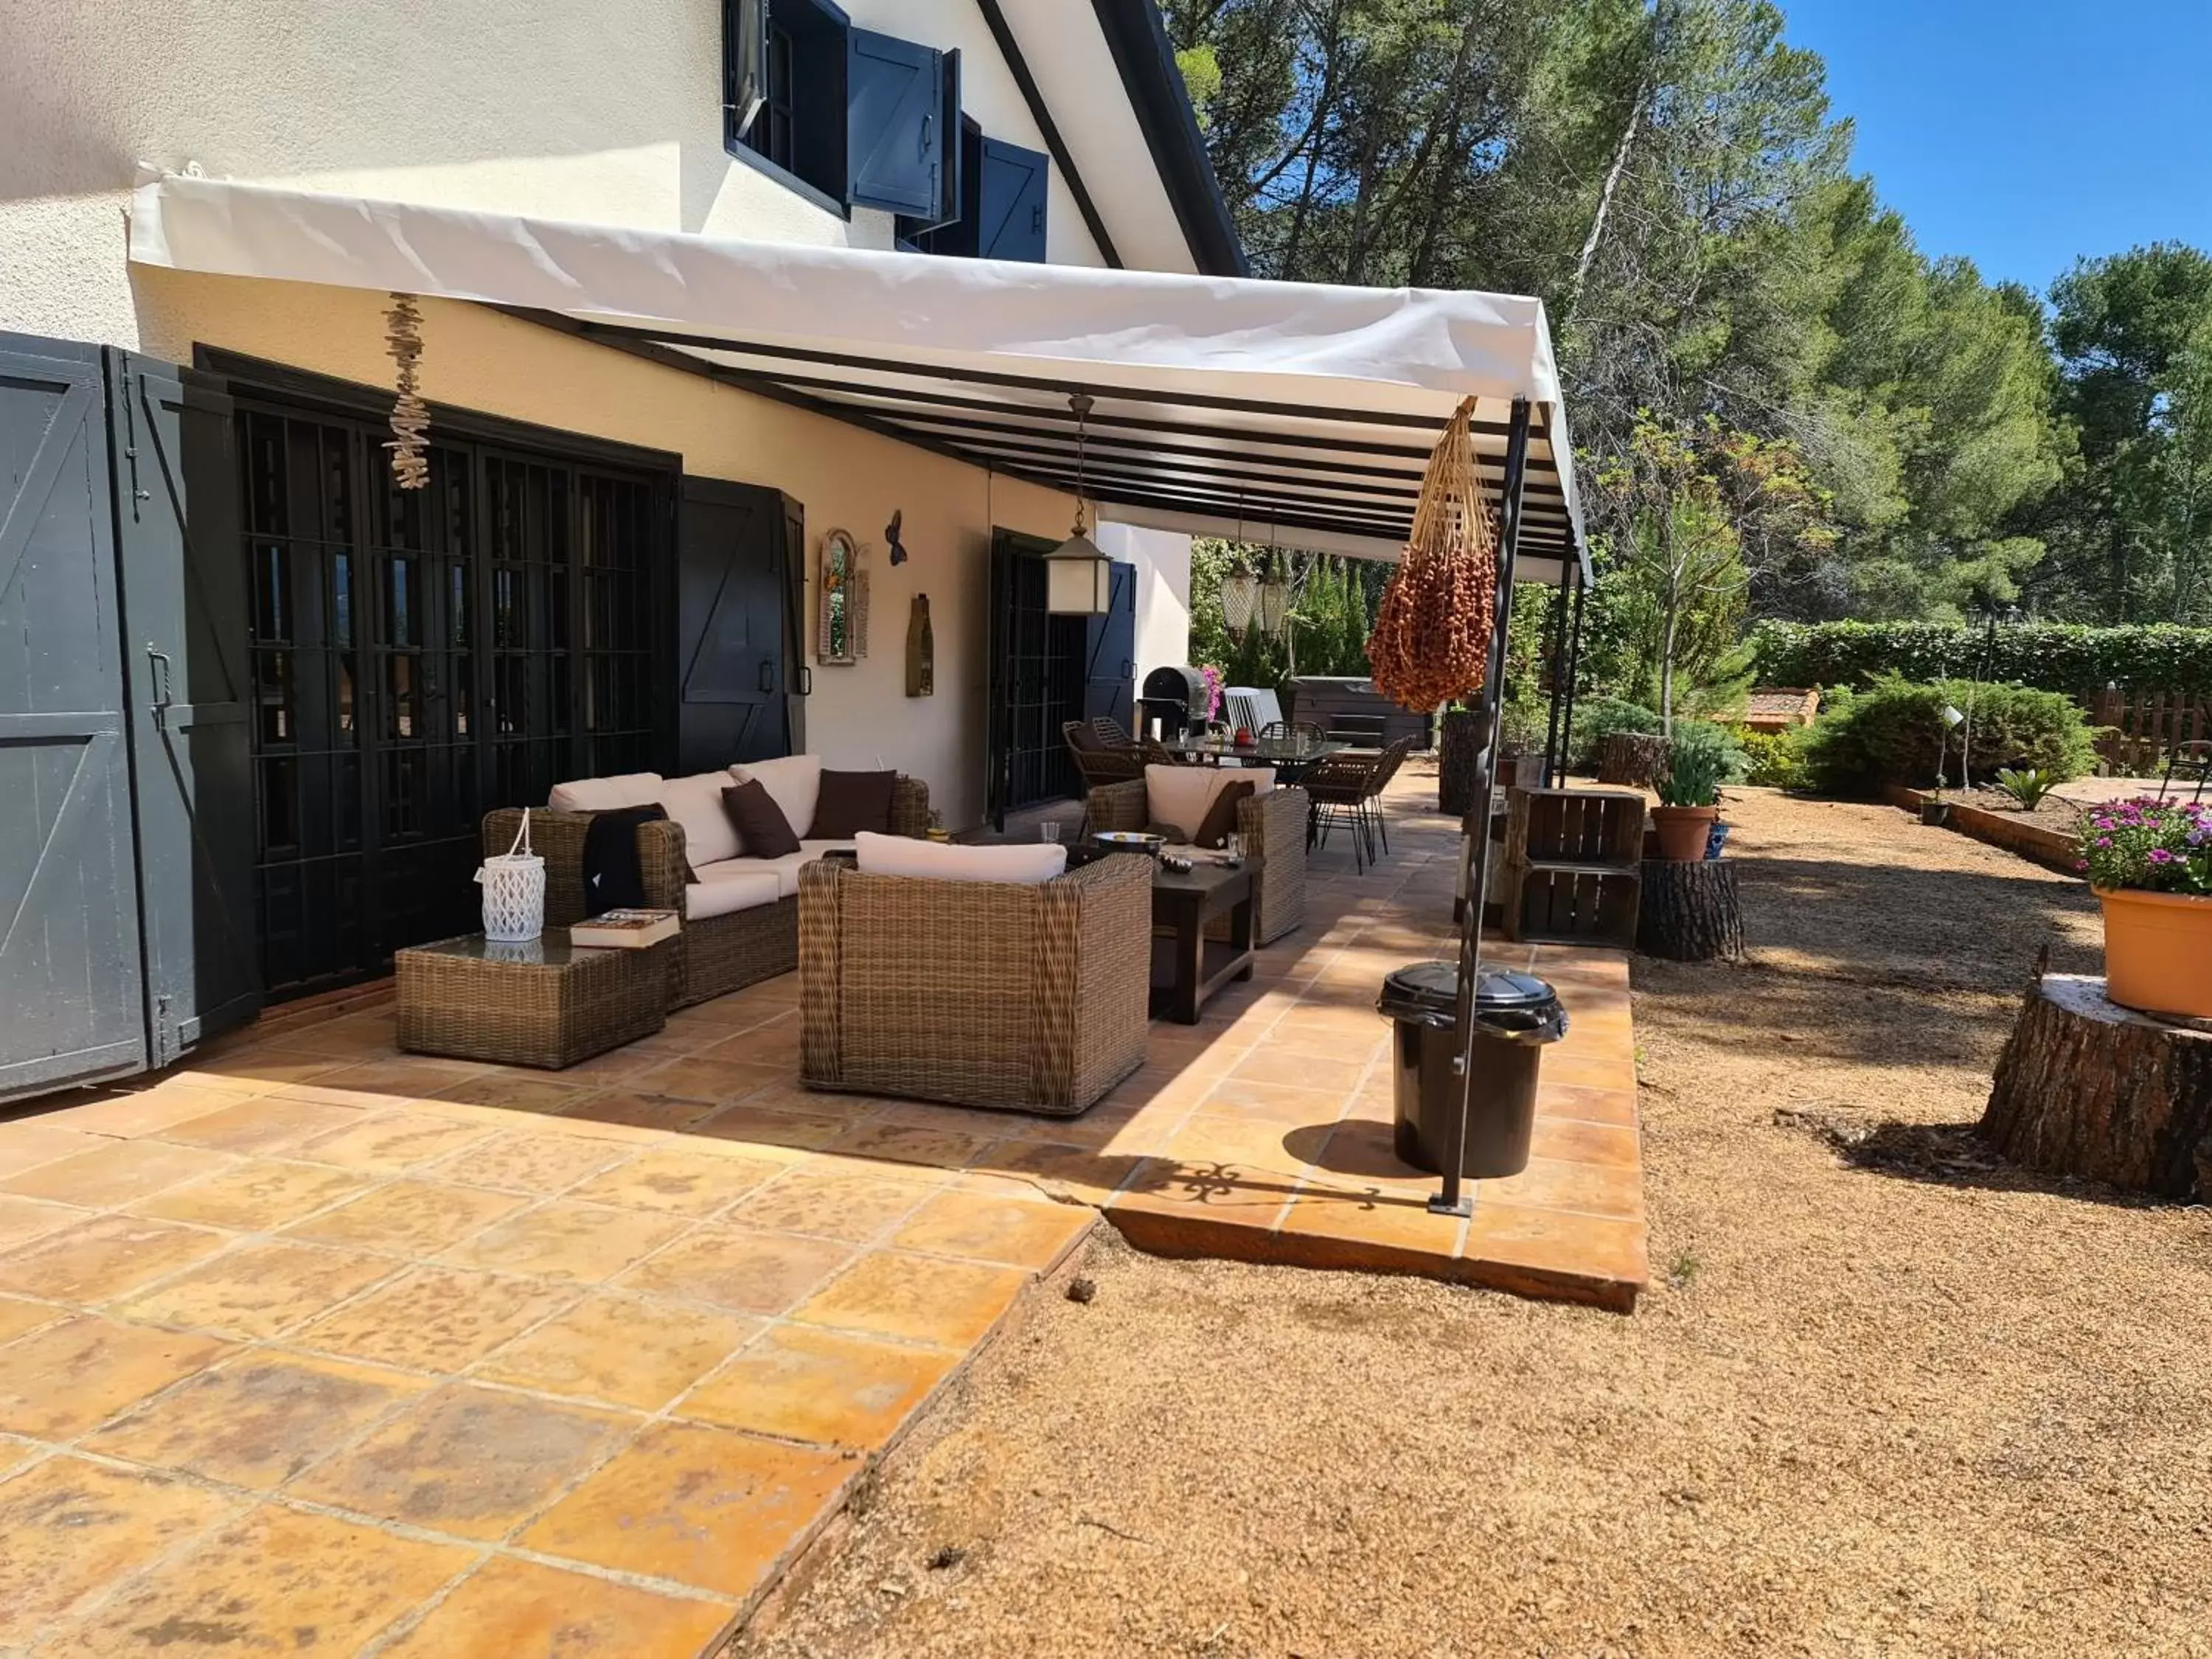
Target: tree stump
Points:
x,y
1459,747
2087,1088
1690,912
1638,759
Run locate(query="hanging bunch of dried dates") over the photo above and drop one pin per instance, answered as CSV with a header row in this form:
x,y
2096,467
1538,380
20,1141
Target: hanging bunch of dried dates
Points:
x,y
1432,640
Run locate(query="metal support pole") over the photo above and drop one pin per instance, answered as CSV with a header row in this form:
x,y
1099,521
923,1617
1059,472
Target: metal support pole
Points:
x,y
1574,672
1554,766
1475,846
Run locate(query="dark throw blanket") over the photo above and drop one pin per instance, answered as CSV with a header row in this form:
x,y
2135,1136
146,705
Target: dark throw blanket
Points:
x,y
613,878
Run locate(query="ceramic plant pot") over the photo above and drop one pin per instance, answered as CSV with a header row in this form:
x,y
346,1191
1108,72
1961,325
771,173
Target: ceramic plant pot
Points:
x,y
1683,831
2158,951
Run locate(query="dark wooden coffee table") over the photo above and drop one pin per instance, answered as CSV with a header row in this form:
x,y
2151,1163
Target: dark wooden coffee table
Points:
x,y
1182,903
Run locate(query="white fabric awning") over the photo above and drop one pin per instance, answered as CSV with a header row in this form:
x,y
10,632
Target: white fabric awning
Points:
x,y
1301,413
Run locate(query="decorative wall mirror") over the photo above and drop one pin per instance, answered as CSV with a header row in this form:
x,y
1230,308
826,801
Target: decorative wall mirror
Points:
x,y
841,614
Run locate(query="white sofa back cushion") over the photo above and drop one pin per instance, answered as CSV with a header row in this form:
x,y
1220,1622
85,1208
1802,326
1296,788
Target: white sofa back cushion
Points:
x,y
793,783
901,855
1179,796
695,803
605,794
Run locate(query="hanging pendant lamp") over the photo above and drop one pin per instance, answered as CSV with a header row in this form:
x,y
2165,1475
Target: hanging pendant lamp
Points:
x,y
1274,598
1240,601
1078,577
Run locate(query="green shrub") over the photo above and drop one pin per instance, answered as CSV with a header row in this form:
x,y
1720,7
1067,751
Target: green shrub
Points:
x,y
1893,732
1598,719
1774,760
2049,656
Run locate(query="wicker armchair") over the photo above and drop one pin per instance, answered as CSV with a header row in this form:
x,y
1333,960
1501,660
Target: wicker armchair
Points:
x,y
975,994
1272,825
713,957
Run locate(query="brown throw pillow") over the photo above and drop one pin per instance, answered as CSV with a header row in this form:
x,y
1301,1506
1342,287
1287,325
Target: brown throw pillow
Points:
x,y
763,830
851,802
1220,820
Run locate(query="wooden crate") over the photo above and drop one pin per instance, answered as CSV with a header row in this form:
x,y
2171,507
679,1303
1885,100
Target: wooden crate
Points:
x,y
1575,826
1570,871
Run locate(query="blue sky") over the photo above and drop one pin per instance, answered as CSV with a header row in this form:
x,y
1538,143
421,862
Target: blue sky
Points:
x,y
2023,132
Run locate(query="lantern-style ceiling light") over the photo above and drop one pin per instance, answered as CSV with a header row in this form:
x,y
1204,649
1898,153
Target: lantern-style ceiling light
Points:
x,y
1078,577
1274,600
1240,600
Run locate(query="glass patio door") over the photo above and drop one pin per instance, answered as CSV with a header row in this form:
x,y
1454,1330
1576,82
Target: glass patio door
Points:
x,y
420,657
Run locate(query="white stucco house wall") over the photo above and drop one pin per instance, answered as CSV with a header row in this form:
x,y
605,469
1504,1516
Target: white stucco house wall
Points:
x,y
620,116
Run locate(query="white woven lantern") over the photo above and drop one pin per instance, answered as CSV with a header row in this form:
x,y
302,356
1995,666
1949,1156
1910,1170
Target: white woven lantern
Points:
x,y
1240,597
513,891
1274,602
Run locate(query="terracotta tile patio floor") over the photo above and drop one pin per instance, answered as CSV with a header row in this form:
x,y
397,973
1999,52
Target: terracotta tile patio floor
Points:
x,y
317,1348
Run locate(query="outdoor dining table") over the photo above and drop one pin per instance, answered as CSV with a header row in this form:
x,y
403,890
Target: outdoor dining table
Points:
x,y
1290,756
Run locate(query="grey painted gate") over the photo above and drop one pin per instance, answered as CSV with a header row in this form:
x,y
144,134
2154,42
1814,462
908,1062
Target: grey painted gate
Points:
x,y
186,659
71,997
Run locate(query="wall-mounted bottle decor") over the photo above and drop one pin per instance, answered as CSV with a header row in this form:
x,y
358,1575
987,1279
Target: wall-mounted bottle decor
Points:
x,y
921,650
841,617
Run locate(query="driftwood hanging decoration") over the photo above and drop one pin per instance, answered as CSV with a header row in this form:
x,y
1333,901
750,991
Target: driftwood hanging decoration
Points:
x,y
410,416
1432,640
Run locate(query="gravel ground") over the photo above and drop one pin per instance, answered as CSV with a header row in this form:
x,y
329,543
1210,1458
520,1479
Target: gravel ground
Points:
x,y
1888,1399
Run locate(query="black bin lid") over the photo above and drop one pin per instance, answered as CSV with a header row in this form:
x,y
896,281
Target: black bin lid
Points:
x,y
1433,988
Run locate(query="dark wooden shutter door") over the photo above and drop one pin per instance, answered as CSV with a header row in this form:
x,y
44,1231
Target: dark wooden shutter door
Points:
x,y
71,1002
998,695
1109,673
185,662
798,678
895,134
1012,200
730,625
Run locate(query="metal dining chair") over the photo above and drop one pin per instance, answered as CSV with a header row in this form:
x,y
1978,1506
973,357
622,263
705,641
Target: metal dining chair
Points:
x,y
1338,788
1394,757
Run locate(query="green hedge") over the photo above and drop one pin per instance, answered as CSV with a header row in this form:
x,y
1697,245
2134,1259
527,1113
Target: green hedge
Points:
x,y
2048,656
1892,731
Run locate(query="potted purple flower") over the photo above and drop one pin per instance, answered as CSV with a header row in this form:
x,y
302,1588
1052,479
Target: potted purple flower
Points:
x,y
2149,862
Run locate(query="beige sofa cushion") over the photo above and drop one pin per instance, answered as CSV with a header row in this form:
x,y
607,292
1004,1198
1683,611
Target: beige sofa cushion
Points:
x,y
793,783
605,794
695,803
1178,796
732,885
900,855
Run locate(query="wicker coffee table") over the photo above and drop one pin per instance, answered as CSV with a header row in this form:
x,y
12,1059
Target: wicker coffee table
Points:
x,y
547,1003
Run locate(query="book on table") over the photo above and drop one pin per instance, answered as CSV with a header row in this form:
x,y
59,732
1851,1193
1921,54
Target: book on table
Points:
x,y
625,930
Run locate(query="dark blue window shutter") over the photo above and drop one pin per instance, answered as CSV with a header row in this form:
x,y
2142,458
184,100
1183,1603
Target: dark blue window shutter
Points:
x,y
895,133
1012,203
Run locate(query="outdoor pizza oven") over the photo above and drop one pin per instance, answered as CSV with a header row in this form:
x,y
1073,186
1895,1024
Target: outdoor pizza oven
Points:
x,y
1174,702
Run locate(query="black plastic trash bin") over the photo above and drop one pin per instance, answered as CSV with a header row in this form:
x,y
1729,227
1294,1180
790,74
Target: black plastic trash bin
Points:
x,y
1515,1015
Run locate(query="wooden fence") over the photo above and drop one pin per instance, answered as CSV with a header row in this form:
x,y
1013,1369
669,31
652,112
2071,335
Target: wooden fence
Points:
x,y
2145,727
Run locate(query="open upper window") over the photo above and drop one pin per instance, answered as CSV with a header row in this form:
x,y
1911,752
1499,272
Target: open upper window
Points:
x,y
1004,191
850,117
784,66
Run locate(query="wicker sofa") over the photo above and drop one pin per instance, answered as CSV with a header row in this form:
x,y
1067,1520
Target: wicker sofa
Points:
x,y
716,954
981,993
1272,825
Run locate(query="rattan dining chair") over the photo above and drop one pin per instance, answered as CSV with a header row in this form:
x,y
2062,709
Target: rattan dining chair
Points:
x,y
1394,757
1338,787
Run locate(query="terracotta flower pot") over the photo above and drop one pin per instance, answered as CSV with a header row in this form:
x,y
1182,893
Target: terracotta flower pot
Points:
x,y
2158,951
1683,831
